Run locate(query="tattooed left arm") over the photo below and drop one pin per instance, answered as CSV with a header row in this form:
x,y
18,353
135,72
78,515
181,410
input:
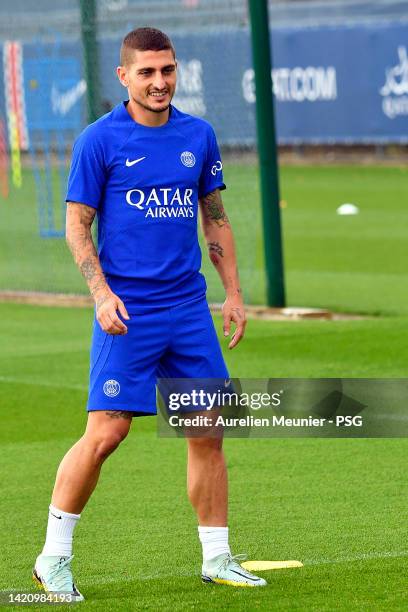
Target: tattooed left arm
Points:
x,y
221,249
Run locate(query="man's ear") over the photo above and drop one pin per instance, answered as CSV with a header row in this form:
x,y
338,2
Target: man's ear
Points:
x,y
122,75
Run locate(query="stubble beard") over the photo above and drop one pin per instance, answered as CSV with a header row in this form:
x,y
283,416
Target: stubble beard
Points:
x,y
153,109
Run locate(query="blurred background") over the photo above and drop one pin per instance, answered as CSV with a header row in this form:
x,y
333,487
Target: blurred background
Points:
x,y
340,80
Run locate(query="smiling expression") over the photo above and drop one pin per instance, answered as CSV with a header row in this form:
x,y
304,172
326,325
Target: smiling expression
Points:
x,y
150,80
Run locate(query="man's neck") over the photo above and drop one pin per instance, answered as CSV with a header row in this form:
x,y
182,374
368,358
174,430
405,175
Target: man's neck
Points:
x,y
145,117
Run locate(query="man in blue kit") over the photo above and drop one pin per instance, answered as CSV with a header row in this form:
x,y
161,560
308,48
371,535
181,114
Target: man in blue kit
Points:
x,y
145,168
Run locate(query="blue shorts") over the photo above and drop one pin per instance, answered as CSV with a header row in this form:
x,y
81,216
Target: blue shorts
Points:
x,y
177,342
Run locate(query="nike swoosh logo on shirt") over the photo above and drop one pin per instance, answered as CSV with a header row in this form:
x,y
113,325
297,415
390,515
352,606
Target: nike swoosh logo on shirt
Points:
x,y
134,161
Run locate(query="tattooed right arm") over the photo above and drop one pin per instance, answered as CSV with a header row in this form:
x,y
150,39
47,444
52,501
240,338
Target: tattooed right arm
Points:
x,y
79,238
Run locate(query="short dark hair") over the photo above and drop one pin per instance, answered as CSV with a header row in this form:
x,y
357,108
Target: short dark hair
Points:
x,y
144,39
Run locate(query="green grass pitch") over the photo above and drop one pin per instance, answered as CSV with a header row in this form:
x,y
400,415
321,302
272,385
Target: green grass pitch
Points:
x,y
337,505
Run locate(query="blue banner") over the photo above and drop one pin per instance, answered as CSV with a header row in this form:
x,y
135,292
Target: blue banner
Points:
x,y
331,84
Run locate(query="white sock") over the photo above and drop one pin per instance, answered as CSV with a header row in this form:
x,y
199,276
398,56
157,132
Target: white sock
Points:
x,y
214,541
60,532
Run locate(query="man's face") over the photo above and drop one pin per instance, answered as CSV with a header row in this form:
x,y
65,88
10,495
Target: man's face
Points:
x,y
150,79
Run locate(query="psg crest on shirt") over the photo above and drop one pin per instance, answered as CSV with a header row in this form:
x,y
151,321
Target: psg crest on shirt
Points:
x,y
188,159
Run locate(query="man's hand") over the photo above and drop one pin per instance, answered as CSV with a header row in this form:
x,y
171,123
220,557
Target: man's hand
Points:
x,y
233,310
107,305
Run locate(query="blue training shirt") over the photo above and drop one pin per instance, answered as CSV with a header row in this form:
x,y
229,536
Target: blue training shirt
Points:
x,y
145,183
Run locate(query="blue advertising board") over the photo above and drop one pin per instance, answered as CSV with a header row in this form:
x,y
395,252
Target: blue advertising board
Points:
x,y
331,84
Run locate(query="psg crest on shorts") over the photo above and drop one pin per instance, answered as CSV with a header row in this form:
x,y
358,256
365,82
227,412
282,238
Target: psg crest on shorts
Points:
x,y
188,159
111,388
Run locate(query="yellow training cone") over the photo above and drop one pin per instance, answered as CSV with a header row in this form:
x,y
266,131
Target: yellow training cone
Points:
x,y
259,566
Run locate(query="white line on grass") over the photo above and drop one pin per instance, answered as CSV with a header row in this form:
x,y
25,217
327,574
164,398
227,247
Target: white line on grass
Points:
x,y
42,383
358,557
98,579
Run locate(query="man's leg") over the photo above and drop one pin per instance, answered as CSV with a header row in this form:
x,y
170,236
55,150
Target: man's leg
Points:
x,y
79,470
207,482
207,486
196,354
76,479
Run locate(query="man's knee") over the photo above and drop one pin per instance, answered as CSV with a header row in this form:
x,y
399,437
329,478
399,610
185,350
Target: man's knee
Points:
x,y
108,442
205,445
105,433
